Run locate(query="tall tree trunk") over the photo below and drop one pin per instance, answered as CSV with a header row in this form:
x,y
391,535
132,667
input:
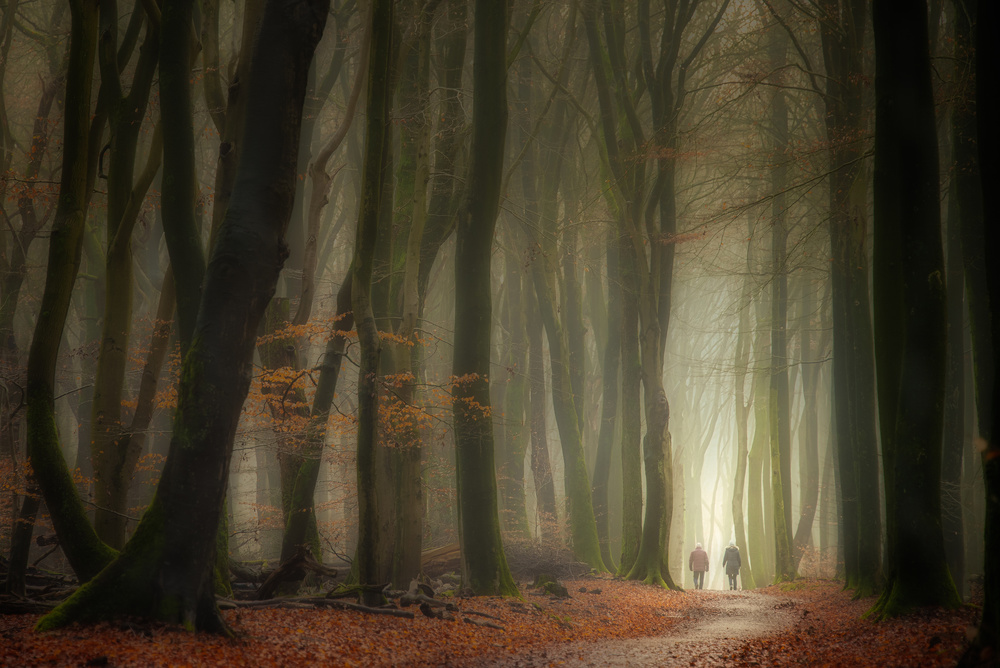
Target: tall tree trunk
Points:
x,y
964,207
631,425
372,562
954,444
778,405
854,380
87,554
809,434
181,225
510,470
759,513
741,363
609,404
484,565
910,311
13,271
411,213
541,468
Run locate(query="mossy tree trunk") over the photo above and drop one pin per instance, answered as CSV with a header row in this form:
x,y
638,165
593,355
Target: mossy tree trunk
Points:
x,y
410,221
910,324
372,562
179,197
86,553
484,565
165,570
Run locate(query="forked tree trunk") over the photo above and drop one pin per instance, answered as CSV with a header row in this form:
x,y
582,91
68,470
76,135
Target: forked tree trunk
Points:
x,y
165,570
86,553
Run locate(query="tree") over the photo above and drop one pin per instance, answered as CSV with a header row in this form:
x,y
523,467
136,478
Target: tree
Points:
x,y
542,206
33,215
741,363
165,570
113,450
372,564
984,648
910,311
778,407
842,33
86,553
484,565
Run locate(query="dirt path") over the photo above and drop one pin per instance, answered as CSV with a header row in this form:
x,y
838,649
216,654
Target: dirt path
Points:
x,y
703,637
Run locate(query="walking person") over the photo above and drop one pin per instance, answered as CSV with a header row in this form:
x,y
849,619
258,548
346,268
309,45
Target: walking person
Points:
x,y
731,562
698,563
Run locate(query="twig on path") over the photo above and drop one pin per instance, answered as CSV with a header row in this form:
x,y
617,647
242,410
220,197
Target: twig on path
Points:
x,y
478,622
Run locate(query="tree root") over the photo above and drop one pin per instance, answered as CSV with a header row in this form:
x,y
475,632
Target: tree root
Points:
x,y
293,569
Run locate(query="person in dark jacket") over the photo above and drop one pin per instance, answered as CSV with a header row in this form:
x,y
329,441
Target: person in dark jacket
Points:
x,y
731,562
698,562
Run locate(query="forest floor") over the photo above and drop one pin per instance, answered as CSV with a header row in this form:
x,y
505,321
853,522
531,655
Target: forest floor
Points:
x,y
603,622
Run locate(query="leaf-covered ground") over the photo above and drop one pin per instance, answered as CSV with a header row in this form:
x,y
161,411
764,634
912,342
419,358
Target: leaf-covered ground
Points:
x,y
818,624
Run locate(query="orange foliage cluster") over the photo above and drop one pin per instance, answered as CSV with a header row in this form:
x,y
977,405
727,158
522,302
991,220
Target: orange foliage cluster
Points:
x,y
831,632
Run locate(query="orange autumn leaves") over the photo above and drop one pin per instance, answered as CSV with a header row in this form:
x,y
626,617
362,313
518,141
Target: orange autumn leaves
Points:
x,y
283,637
829,631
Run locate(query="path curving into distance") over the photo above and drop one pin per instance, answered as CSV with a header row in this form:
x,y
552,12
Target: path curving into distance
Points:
x,y
719,626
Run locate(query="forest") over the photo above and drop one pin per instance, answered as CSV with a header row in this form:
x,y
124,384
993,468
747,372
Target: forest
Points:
x,y
335,302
